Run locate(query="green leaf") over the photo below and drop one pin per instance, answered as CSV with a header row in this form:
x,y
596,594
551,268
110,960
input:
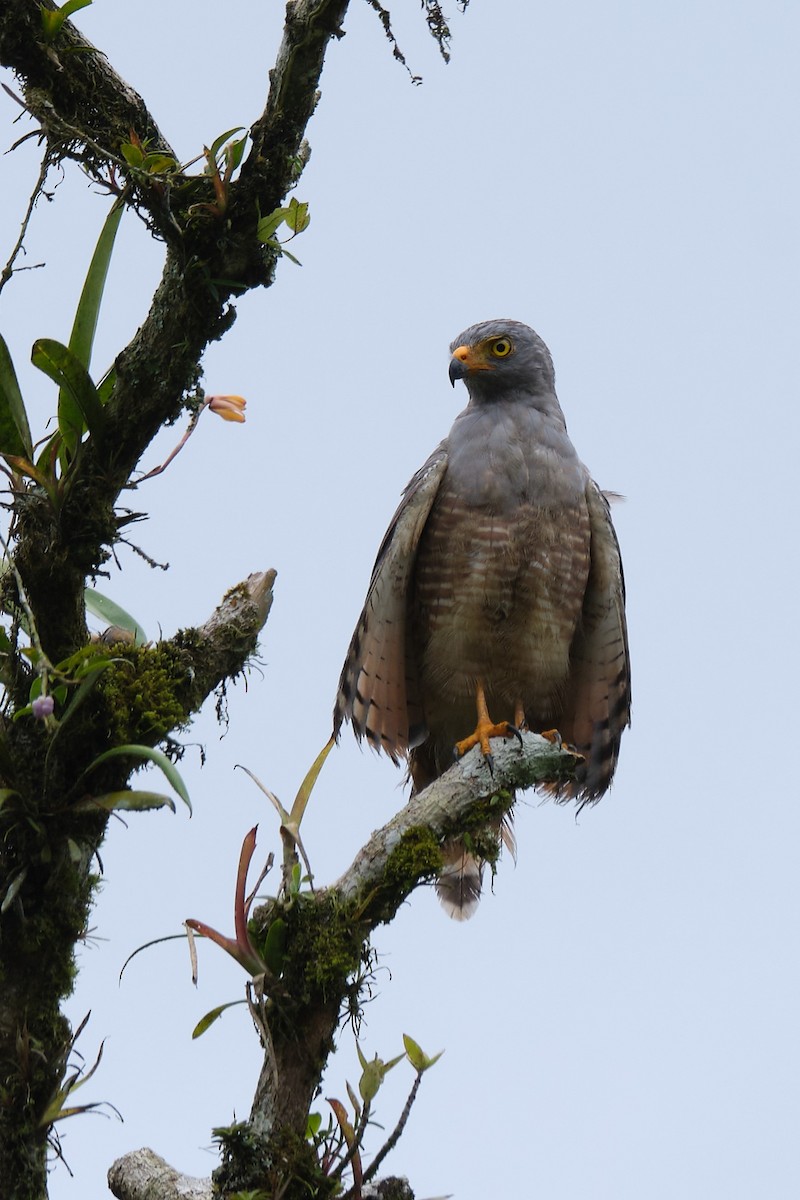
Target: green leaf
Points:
x,y
106,385
13,888
124,802
313,1123
234,154
15,434
219,142
147,754
73,6
84,326
275,946
208,1020
307,786
133,155
86,685
370,1081
100,606
297,217
6,794
417,1056
290,257
79,405
268,225
52,20
159,164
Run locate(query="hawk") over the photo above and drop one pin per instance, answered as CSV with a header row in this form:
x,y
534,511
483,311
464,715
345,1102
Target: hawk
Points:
x,y
497,589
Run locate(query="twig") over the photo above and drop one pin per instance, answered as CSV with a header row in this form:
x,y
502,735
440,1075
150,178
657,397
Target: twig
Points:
x,y
8,269
43,664
393,1138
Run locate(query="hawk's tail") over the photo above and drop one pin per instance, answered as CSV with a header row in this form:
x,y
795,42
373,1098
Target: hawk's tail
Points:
x,y
459,883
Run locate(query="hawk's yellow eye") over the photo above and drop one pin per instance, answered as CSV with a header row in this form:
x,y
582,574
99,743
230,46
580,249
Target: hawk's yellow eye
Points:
x,y
502,347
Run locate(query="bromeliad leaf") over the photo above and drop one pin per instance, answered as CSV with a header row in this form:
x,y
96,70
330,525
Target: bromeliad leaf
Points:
x,y
208,1020
147,754
106,385
100,606
124,802
79,405
15,434
83,329
45,481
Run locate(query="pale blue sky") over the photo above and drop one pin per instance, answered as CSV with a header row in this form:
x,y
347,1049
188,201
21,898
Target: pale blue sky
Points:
x,y
620,1018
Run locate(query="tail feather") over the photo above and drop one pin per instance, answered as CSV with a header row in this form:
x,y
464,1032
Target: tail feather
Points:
x,y
459,884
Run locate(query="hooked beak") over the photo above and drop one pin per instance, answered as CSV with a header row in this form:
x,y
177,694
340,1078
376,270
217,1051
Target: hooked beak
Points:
x,y
464,362
456,371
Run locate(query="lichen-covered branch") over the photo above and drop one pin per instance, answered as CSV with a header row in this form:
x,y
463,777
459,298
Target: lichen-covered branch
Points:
x,y
144,1175
442,808
221,646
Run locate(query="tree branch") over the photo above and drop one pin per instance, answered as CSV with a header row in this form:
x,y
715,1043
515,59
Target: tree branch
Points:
x,y
144,1175
445,806
228,638
71,88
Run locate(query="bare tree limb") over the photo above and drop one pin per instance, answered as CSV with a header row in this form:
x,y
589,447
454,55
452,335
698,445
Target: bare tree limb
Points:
x,y
144,1175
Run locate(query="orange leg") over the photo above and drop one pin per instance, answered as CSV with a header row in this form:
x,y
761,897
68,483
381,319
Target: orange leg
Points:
x,y
486,728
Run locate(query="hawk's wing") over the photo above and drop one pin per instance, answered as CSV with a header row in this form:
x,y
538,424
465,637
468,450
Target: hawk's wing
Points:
x,y
378,691
598,703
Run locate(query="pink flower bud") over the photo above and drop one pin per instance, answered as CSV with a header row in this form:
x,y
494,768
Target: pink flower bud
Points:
x,y
43,707
230,408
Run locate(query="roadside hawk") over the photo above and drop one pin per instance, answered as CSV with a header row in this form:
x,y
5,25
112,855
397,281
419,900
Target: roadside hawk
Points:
x,y
498,588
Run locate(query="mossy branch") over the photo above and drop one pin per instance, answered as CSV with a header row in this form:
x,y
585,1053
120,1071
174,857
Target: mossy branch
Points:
x,y
327,934
445,809
71,88
221,646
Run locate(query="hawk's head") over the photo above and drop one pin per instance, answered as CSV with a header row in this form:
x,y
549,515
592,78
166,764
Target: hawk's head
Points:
x,y
496,357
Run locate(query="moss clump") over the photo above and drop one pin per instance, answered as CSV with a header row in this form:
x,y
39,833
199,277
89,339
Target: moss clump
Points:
x,y
324,943
147,695
283,1165
417,857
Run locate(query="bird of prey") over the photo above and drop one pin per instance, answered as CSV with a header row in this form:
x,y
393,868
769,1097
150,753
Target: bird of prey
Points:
x,y
497,592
